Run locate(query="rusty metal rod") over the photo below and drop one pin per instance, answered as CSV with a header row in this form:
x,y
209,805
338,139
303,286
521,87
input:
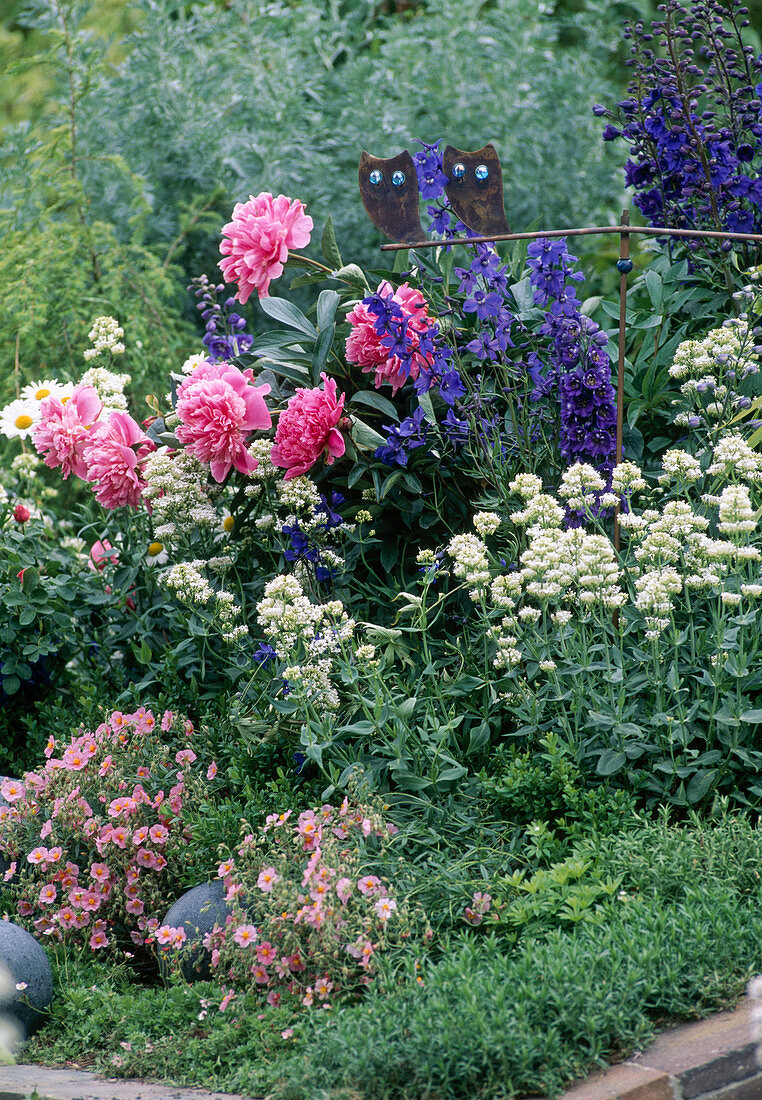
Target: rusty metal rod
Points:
x,y
647,230
624,255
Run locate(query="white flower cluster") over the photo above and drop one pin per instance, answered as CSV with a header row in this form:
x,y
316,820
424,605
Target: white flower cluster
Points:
x,y
655,589
105,335
736,513
735,460
541,511
469,555
314,633
580,485
26,465
188,584
109,387
571,566
486,523
526,485
679,466
627,479
177,486
709,369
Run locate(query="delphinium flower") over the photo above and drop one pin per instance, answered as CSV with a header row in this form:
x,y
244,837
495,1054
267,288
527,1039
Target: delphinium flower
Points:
x,y
579,364
219,407
692,119
402,438
308,429
224,336
257,240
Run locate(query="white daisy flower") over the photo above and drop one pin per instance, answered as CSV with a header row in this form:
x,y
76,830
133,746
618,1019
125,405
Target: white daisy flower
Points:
x,y
18,418
191,363
47,387
156,554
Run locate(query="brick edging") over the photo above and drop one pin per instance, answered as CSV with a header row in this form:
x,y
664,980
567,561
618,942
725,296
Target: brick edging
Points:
x,y
713,1059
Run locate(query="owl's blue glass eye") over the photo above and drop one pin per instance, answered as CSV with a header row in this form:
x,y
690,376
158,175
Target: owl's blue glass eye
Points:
x,y
398,178
375,177
481,171
458,171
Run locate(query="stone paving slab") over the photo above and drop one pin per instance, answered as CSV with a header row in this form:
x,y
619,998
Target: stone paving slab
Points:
x,y
19,1082
713,1059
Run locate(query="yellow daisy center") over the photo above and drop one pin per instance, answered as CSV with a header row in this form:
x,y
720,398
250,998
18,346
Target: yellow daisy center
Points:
x,y
41,394
155,549
228,523
23,421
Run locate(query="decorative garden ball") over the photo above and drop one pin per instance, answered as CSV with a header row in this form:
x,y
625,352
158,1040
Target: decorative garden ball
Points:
x,y
26,982
197,912
624,267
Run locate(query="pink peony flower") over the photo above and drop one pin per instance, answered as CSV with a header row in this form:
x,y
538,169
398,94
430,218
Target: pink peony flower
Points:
x,y
255,243
307,429
113,461
218,408
64,430
364,345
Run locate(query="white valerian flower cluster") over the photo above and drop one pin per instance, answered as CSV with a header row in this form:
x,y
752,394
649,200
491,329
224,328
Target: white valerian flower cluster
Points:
x,y
26,465
679,466
526,485
627,479
186,581
541,511
177,487
735,460
469,555
655,589
486,523
109,387
312,633
737,516
580,485
188,584
105,335
571,566
710,371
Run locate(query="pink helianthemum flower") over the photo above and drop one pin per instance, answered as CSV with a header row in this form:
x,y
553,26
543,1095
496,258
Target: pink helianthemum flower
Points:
x,y
364,345
308,429
113,462
218,409
255,243
64,429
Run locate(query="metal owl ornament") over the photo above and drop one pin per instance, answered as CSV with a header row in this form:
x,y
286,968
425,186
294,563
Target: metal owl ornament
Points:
x,y
389,191
475,189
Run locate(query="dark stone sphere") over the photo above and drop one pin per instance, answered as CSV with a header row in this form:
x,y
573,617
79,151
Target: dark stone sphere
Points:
x,y
23,960
197,911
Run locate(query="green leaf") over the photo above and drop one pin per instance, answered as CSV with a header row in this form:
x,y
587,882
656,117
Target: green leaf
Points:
x,y
375,401
322,351
27,616
700,785
354,475
288,314
327,304
364,436
389,555
655,290
401,261
610,762
328,246
11,684
751,716
424,400
449,774
353,275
